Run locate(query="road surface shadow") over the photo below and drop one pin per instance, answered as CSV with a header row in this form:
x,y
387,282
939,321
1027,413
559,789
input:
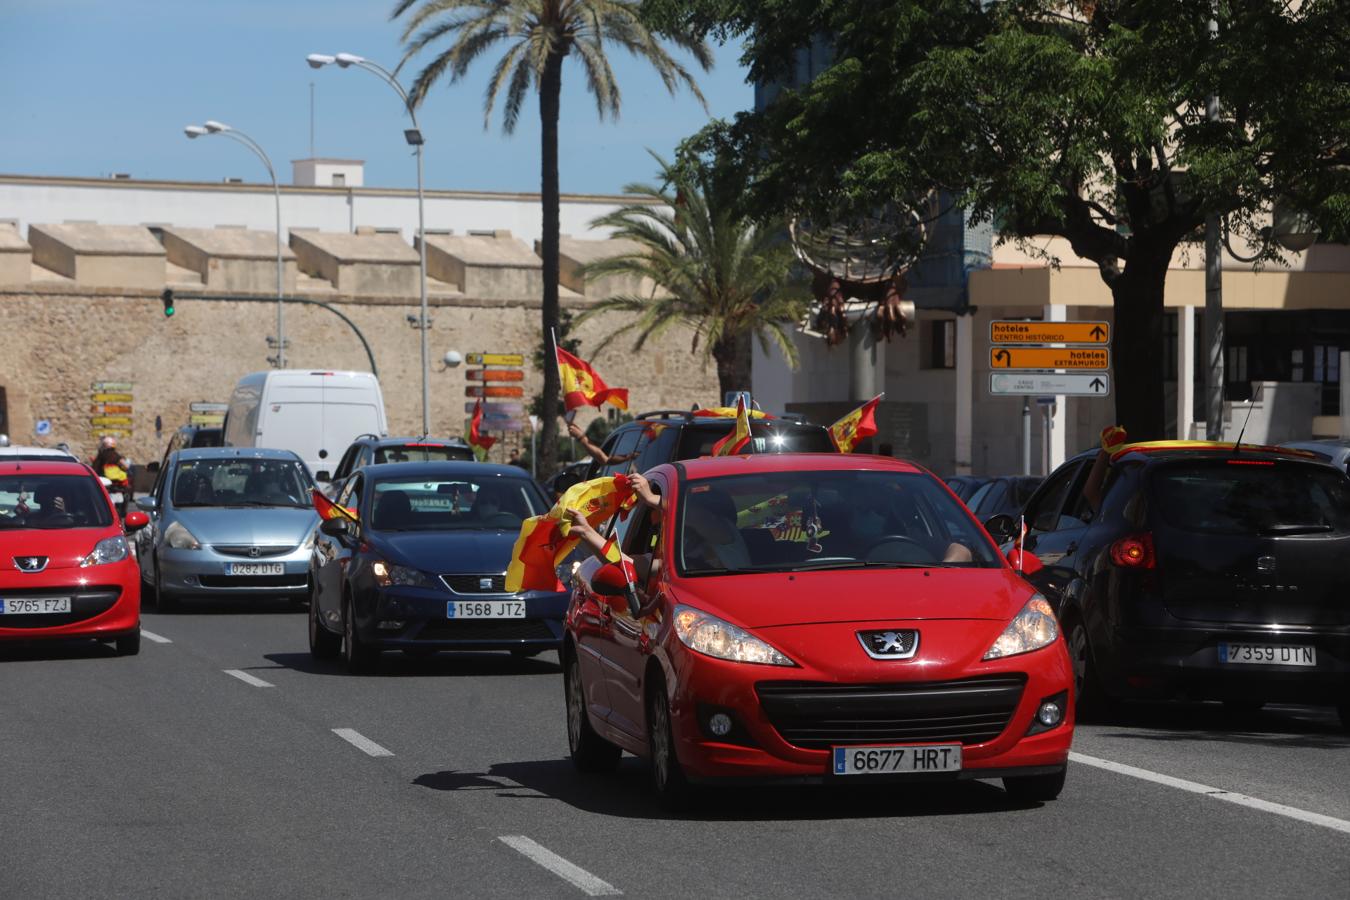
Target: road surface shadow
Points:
x,y
73,648
627,794
1276,725
438,665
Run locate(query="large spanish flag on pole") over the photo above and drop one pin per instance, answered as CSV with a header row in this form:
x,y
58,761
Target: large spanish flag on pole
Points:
x,y
739,436
544,541
859,424
481,443
582,386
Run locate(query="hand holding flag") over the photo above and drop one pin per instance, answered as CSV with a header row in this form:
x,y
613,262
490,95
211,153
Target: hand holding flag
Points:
x,y
546,539
857,425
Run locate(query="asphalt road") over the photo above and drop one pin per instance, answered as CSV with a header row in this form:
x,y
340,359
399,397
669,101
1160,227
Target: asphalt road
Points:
x,y
164,775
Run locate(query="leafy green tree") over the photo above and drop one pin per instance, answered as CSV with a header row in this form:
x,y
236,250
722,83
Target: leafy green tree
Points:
x,y
712,268
538,36
1084,119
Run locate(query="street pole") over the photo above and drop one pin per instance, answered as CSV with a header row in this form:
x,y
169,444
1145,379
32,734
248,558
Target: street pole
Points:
x,y
1214,337
1026,435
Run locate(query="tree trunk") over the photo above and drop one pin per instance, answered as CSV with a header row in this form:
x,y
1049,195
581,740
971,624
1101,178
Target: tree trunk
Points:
x,y
732,355
1137,295
550,91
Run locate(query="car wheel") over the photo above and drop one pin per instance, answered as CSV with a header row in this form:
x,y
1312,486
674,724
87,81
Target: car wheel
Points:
x,y
590,752
672,788
164,601
1036,788
323,644
1087,688
360,659
129,644
1344,709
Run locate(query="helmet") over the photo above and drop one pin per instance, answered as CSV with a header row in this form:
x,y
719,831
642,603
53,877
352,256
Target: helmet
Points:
x,y
107,441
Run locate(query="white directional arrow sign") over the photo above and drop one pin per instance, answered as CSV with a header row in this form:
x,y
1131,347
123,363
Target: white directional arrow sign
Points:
x,y
1041,384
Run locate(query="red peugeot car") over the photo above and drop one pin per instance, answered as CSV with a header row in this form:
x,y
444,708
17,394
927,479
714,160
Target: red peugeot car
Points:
x,y
813,617
66,567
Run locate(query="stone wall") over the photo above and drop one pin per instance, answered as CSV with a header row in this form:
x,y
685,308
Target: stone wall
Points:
x,y
59,340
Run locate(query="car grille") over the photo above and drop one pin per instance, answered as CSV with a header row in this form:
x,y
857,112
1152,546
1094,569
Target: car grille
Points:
x,y
287,582
487,630
83,605
816,715
246,550
472,584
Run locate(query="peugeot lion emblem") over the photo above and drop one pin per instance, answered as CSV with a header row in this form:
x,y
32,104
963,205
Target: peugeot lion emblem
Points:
x,y
30,563
890,644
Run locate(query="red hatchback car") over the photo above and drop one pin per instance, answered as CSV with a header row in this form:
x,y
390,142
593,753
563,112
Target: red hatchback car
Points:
x,y
66,567
814,617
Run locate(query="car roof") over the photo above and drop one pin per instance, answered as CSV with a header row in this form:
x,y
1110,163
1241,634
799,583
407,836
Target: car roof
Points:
x,y
756,463
441,468
403,441
21,450
45,467
233,452
1159,450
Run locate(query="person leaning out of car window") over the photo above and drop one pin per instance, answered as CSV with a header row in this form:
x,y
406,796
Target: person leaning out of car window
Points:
x,y
594,451
1113,438
646,565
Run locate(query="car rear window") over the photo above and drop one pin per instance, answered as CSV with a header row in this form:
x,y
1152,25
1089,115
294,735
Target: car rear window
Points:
x,y
421,453
765,437
52,501
1252,496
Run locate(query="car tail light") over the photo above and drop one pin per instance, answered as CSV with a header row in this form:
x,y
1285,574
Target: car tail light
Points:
x,y
1134,552
1251,462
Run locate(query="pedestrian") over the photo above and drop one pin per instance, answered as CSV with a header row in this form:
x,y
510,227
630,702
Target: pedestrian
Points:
x,y
515,460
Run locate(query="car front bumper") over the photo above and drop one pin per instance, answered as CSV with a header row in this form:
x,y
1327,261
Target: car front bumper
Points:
x,y
105,602
203,572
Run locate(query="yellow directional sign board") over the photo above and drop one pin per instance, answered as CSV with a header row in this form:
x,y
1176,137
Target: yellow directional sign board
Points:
x,y
1005,333
495,359
206,419
112,398
110,420
1094,358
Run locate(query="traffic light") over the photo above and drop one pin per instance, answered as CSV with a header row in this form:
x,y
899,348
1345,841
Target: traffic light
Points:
x,y
167,297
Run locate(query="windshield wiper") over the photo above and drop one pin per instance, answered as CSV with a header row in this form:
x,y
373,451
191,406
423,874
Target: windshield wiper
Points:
x,y
1292,528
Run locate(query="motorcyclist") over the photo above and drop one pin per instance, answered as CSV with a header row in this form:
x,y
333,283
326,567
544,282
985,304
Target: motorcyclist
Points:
x,y
109,463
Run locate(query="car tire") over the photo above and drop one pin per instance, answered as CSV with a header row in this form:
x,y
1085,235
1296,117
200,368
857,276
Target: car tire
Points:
x,y
1036,788
360,659
589,751
1091,702
323,644
128,644
164,601
672,788
1343,708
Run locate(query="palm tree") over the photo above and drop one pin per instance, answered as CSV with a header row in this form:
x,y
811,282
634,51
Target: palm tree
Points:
x,y
539,35
710,268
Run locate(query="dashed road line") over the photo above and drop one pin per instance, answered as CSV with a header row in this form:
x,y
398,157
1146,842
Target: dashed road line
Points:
x,y
157,638
1196,787
248,679
361,742
574,875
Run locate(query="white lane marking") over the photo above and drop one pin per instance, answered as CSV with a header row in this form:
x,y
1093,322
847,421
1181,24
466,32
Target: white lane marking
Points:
x,y
361,742
1195,787
248,679
572,874
157,638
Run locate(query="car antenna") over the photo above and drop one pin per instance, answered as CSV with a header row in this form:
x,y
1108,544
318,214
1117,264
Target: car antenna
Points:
x,y
1251,404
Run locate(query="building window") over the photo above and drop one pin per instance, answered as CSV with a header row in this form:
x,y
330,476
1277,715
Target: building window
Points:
x,y
339,179
1296,365
939,350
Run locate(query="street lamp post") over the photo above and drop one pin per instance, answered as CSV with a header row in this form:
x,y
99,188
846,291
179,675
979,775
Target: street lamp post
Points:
x,y
414,138
212,127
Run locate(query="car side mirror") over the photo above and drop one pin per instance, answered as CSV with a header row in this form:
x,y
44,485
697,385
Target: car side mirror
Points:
x,y
334,527
1001,527
323,475
1024,561
149,504
610,581
136,520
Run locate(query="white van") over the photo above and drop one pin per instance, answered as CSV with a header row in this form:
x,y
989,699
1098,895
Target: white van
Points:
x,y
315,414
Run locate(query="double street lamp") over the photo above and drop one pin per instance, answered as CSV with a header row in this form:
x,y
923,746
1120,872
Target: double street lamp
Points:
x,y
212,127
414,138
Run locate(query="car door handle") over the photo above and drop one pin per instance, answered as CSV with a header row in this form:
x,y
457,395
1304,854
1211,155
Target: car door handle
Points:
x,y
1073,545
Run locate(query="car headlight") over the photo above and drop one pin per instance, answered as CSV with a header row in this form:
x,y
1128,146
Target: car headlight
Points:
x,y
712,636
108,550
1031,629
387,574
179,538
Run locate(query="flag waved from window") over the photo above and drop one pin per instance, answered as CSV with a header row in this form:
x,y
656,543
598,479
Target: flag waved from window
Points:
x,y
583,386
544,541
857,425
740,432
327,509
481,443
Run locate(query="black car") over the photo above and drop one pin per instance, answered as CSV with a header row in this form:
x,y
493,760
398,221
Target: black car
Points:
x,y
664,436
1005,495
1207,573
964,486
425,567
373,450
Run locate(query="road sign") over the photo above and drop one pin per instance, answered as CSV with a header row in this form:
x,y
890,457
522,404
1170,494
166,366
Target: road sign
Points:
x,y
495,359
494,390
507,408
105,432
112,398
204,407
494,375
114,386
110,420
42,428
1014,332
1095,358
116,409
207,419
1039,384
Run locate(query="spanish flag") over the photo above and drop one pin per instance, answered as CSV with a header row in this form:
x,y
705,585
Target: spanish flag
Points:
x,y
582,386
859,424
327,509
481,443
728,412
544,542
740,432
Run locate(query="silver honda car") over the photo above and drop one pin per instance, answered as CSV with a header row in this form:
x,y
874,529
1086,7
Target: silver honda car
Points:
x,y
228,521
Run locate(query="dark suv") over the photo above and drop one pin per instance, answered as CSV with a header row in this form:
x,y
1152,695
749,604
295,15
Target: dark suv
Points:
x,y
1209,572
665,435
371,449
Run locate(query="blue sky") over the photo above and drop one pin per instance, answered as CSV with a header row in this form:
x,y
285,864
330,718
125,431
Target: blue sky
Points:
x,y
92,87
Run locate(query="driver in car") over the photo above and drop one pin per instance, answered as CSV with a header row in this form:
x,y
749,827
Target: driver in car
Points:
x,y
51,505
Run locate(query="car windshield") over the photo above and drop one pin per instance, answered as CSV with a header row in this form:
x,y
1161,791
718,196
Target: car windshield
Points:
x,y
799,521
52,501
1252,496
765,437
235,481
454,504
421,453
